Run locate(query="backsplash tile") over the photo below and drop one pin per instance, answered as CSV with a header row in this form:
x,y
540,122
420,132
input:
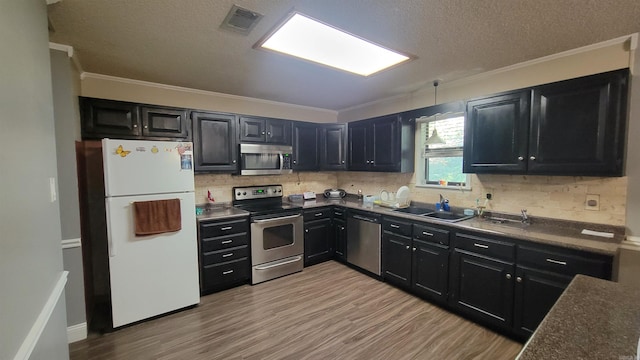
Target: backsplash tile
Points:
x,y
561,197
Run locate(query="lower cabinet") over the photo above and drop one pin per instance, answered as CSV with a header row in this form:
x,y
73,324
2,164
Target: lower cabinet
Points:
x,y
224,254
396,259
318,236
340,234
430,270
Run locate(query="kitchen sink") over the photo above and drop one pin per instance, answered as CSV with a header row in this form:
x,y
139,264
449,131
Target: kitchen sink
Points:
x,y
415,210
448,216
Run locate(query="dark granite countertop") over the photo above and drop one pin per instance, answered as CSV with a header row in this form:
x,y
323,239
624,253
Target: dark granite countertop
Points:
x,y
219,212
541,230
593,319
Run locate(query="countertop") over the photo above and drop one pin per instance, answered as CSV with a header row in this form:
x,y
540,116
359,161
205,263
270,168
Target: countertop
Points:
x,y
592,319
219,212
541,230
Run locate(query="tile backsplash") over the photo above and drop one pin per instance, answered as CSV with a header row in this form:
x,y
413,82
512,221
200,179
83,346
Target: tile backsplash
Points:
x,y
561,197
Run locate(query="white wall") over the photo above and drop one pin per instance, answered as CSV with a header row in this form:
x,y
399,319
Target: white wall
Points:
x,y
30,251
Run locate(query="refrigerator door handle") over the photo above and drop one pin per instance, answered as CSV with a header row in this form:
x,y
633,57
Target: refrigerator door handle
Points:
x,y
110,243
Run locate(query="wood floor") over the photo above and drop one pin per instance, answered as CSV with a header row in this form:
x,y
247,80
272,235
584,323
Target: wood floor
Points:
x,y
328,311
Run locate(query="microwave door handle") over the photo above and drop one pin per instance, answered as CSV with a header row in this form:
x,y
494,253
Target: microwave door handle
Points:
x,y
281,160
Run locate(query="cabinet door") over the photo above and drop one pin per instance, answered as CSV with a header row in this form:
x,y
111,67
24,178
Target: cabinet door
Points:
x,y
577,126
340,239
482,288
333,147
164,122
306,145
278,131
385,146
252,129
430,270
396,259
108,118
536,292
358,151
318,246
215,147
496,134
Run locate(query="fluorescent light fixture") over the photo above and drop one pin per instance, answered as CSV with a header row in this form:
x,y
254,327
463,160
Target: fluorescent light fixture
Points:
x,y
306,38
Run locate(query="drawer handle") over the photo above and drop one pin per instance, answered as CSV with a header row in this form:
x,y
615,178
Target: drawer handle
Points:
x,y
227,255
395,226
482,246
226,228
428,234
557,262
227,272
337,213
318,214
227,241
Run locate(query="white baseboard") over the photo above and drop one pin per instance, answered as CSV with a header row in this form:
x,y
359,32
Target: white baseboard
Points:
x,y
32,338
77,332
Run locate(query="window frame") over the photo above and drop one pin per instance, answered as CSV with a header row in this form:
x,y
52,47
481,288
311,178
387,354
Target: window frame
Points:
x,y
422,155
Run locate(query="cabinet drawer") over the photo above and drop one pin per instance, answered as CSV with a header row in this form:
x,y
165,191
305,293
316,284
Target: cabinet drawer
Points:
x,y
315,214
340,213
225,255
431,234
564,262
488,247
212,229
228,272
223,242
396,226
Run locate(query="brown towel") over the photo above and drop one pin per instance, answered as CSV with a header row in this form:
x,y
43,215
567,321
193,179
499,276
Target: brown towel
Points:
x,y
157,217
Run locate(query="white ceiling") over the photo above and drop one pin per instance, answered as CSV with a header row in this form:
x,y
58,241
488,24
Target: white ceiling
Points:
x,y
180,42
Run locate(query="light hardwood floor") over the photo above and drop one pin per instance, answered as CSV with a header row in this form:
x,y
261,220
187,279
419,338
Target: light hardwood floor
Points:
x,y
328,311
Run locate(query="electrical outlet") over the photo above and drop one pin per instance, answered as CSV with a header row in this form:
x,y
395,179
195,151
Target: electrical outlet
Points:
x,y
592,202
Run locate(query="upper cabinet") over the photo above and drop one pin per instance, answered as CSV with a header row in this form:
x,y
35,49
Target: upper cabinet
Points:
x,y
118,119
306,146
333,147
255,129
572,127
214,142
383,144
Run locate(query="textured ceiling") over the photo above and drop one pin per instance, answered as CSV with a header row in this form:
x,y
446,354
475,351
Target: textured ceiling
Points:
x,y
180,42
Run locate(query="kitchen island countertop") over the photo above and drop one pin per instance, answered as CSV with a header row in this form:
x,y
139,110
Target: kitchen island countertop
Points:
x,y
592,319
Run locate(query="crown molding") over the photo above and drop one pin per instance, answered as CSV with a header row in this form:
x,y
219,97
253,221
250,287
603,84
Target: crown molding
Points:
x,y
61,47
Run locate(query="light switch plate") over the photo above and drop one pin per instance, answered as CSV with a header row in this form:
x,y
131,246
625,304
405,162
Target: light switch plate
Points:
x,y
592,202
52,189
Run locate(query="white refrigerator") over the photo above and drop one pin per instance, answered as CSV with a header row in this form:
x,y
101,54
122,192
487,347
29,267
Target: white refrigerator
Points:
x,y
153,274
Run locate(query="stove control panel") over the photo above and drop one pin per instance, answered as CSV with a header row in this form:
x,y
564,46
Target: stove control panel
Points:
x,y
257,192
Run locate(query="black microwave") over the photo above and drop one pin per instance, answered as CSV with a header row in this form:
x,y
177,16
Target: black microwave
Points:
x,y
259,159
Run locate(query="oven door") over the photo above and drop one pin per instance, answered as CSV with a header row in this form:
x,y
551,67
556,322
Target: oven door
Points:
x,y
276,238
265,159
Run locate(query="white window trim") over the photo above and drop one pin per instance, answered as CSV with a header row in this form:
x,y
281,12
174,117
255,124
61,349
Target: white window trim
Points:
x,y
420,157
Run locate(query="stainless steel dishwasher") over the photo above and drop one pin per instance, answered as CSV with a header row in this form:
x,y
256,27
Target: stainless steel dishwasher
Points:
x,y
363,241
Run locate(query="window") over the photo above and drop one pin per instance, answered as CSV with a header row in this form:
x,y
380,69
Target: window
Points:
x,y
439,164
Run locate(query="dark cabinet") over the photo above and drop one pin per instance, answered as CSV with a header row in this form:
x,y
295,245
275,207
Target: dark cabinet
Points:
x,y
396,259
496,133
164,122
383,144
109,118
318,236
340,234
215,148
333,147
430,270
578,126
265,130
224,254
306,146
572,127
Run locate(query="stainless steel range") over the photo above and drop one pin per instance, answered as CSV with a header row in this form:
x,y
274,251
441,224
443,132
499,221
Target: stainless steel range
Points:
x,y
277,236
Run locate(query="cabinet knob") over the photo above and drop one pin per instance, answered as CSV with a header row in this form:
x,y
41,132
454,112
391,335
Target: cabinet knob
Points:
x,y
341,227
343,161
269,133
263,133
146,127
532,158
519,279
508,276
414,249
234,161
295,162
520,158
135,126
306,230
408,247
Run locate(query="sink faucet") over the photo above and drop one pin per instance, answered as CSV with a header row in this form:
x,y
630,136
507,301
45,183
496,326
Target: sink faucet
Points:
x,y
525,218
443,201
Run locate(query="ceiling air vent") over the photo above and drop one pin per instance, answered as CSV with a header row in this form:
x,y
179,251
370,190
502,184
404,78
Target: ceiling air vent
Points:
x,y
241,20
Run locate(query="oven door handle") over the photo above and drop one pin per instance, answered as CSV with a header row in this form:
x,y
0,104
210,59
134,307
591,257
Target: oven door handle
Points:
x,y
276,218
281,160
297,258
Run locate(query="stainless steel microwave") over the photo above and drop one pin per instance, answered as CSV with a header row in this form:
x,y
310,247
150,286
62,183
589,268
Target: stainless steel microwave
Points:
x,y
259,159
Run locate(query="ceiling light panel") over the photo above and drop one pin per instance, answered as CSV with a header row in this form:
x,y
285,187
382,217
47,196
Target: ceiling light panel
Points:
x,y
306,38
